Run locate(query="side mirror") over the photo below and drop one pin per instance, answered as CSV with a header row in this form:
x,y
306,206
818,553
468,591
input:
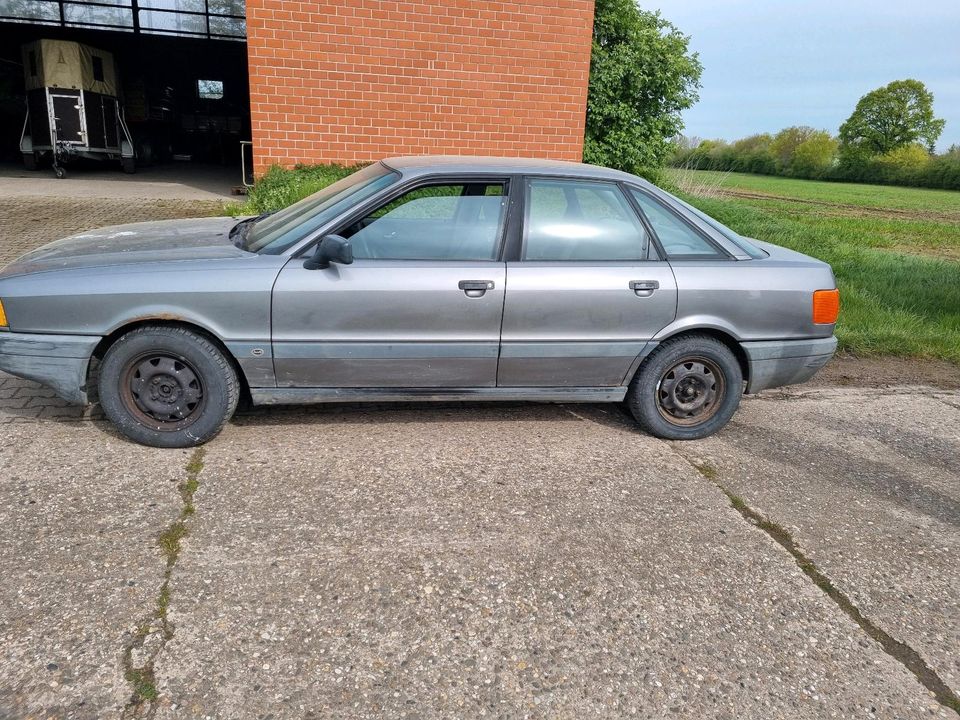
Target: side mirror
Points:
x,y
331,249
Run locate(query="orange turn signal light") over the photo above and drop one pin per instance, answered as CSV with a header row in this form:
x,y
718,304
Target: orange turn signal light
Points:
x,y
3,315
826,306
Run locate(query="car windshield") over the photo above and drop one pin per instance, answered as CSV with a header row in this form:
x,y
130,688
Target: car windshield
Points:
x,y
739,240
273,234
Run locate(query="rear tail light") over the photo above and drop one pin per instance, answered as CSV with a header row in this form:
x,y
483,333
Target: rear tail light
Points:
x,y
826,306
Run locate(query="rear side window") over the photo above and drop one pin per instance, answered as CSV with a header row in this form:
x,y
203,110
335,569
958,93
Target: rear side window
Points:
x,y
674,234
581,220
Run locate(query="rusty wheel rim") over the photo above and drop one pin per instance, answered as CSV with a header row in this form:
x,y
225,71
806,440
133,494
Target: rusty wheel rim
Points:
x,y
163,391
691,391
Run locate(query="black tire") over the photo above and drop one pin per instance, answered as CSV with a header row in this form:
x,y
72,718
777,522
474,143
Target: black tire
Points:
x,y
129,165
688,388
167,387
59,172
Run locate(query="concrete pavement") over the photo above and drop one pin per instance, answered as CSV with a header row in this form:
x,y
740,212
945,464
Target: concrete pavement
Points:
x,y
474,560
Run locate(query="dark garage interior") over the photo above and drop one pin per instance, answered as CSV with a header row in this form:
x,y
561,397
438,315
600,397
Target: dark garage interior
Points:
x,y
181,70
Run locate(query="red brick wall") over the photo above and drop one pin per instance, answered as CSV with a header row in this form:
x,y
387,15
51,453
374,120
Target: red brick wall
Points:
x,y
356,80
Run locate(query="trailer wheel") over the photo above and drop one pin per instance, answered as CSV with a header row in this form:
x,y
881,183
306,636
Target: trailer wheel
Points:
x,y
30,161
129,165
59,172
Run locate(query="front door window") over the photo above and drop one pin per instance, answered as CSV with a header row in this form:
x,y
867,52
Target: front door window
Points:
x,y
461,221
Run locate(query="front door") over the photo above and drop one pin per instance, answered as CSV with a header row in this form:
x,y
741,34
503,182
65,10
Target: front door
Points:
x,y
420,306
588,291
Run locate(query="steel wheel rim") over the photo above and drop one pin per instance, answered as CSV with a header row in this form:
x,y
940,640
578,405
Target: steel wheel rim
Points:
x,y
691,391
163,391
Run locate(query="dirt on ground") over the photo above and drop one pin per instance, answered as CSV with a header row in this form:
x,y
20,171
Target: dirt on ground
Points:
x,y
846,370
847,208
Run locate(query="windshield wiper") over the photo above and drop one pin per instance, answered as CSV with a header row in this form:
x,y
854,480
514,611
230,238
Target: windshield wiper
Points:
x,y
240,231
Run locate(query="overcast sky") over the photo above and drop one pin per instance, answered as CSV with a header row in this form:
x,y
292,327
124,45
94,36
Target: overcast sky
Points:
x,y
769,64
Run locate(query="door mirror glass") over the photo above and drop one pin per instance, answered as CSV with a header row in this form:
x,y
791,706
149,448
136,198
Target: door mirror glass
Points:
x,y
332,249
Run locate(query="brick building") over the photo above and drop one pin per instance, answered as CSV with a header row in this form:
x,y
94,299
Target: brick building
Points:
x,y
324,81
353,80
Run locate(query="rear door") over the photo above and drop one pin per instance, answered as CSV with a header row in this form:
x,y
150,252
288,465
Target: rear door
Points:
x,y
587,292
420,306
66,107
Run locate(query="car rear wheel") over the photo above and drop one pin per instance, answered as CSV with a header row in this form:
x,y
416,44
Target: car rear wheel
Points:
x,y
688,388
167,387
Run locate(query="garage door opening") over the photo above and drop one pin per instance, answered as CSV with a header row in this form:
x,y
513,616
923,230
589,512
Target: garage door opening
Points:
x,y
181,80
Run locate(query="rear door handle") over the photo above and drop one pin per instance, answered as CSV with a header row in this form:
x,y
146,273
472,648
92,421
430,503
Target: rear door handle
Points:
x,y
644,288
475,288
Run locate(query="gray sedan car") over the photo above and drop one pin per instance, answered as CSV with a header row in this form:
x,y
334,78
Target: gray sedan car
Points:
x,y
422,278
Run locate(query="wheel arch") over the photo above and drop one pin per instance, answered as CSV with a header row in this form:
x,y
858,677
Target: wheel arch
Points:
x,y
721,334
108,340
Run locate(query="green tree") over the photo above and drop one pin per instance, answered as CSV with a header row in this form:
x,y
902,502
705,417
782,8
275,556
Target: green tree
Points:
x,y
642,76
814,155
892,116
786,142
759,143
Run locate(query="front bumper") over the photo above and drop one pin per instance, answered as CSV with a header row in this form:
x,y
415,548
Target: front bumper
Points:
x,y
58,361
786,362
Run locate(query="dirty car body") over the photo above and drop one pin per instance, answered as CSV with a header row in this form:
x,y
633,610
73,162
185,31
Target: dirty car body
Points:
x,y
427,278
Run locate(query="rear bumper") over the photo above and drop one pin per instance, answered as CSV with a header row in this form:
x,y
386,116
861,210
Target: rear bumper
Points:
x,y
58,361
786,362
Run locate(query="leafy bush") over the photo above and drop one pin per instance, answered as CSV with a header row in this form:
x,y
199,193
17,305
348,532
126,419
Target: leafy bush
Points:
x,y
785,144
905,164
279,187
814,157
944,170
813,154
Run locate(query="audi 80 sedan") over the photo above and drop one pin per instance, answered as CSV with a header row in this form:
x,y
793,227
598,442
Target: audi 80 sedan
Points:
x,y
422,278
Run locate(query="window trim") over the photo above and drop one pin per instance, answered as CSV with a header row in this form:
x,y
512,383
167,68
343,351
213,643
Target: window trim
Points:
x,y
652,252
416,183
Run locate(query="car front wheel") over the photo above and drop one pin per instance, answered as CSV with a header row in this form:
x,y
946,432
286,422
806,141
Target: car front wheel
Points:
x,y
167,387
688,388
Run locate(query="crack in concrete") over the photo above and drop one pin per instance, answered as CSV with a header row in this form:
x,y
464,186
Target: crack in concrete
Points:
x,y
899,651
955,406
152,635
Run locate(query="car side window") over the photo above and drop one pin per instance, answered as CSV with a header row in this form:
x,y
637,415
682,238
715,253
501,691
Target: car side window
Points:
x,y
459,221
676,236
581,220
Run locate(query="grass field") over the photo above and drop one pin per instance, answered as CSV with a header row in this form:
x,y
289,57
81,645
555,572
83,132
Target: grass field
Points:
x,y
895,251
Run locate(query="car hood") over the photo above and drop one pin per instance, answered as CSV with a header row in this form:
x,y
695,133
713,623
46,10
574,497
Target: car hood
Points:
x,y
165,240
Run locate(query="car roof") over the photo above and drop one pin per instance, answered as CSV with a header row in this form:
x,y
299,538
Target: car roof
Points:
x,y
413,165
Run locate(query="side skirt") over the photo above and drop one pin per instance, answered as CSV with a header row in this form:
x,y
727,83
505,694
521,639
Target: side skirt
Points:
x,y
298,396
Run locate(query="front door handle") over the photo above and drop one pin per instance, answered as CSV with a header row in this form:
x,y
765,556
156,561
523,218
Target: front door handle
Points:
x,y
644,288
475,288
